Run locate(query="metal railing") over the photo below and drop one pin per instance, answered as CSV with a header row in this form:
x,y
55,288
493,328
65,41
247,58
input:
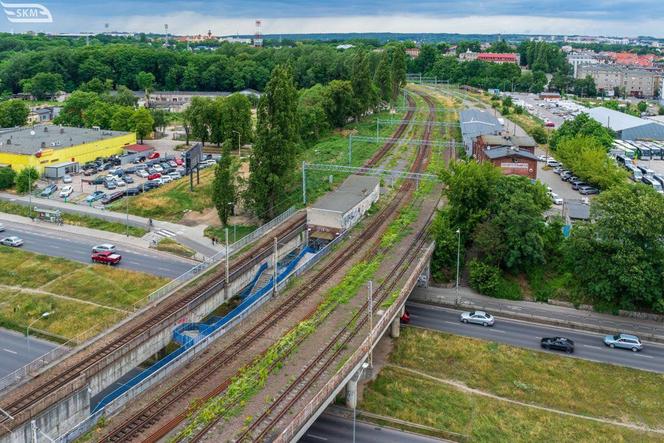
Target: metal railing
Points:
x,y
25,372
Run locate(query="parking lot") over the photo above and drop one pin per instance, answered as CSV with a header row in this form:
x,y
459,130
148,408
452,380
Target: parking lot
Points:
x,y
553,111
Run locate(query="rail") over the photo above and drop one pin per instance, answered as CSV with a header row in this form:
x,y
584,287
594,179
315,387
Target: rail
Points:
x,y
114,405
28,370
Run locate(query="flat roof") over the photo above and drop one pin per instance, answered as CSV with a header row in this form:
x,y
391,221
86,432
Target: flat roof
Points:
x,y
28,140
352,191
516,140
616,120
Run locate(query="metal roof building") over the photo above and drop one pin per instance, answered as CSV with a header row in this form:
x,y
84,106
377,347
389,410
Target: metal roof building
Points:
x,y
627,127
475,123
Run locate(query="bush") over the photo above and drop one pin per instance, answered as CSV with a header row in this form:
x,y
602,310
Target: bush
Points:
x,y
539,135
26,179
484,278
7,177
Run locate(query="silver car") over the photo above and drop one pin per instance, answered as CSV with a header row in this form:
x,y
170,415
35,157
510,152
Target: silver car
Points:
x,y
478,317
624,341
103,248
12,241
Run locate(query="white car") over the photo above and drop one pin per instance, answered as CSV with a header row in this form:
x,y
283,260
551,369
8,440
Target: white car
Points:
x,y
103,248
555,198
67,179
142,173
166,178
552,163
175,175
478,317
158,181
158,168
66,191
12,241
120,183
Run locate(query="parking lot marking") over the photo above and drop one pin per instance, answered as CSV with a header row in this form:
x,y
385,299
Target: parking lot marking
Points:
x,y
10,351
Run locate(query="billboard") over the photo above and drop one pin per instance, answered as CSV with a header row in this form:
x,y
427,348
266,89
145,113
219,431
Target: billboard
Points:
x,y
193,157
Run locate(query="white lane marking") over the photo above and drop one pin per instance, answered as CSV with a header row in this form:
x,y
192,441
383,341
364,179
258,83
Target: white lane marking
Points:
x,y
644,356
591,346
455,323
318,437
10,351
499,330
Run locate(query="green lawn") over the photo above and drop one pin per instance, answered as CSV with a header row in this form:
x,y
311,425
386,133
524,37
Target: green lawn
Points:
x,y
419,400
112,288
173,247
590,388
235,233
77,220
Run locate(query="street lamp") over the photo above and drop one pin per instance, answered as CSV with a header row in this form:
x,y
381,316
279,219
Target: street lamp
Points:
x,y
239,153
365,365
27,330
458,231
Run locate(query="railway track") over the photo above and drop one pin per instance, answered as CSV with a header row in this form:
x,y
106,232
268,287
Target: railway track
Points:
x,y
49,383
289,397
136,424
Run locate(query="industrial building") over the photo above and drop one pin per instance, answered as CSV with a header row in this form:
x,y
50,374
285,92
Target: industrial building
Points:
x,y
514,155
59,146
338,211
628,127
475,123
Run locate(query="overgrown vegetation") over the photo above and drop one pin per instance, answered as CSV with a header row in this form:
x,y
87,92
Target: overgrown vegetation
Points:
x,y
173,247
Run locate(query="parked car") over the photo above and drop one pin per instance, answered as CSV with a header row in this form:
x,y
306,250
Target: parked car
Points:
x,y
624,341
127,179
131,170
478,317
175,175
120,183
142,173
555,198
97,195
106,258
578,183
67,179
550,124
550,162
566,176
588,190
99,180
166,178
110,198
12,241
110,185
153,156
558,170
132,191
47,191
558,343
104,247
157,181
150,185
158,168
645,170
66,191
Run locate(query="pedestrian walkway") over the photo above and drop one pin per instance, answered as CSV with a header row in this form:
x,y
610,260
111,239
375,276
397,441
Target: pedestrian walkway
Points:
x,y
541,312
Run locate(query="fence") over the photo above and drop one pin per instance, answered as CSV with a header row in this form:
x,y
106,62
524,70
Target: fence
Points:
x,y
111,405
353,363
25,372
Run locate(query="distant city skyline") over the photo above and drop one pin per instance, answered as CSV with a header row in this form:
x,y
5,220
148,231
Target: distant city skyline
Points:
x,y
628,18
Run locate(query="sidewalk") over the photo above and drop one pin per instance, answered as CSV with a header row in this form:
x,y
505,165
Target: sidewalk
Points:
x,y
541,312
191,237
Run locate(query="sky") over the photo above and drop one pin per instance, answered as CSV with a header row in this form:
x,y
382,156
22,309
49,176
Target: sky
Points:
x,y
585,17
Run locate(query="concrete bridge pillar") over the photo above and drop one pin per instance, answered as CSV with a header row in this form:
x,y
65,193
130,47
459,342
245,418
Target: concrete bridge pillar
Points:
x,y
351,393
395,327
425,276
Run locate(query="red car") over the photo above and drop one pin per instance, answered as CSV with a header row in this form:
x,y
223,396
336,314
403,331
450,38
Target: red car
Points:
x,y
106,258
154,176
550,124
179,161
153,156
405,318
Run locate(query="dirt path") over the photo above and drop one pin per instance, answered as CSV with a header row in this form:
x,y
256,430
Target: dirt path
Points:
x,y
462,387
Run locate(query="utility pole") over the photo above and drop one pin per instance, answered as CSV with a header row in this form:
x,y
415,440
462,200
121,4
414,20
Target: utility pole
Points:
x,y
377,129
350,149
304,182
227,265
370,305
458,231
127,198
33,427
30,191
276,264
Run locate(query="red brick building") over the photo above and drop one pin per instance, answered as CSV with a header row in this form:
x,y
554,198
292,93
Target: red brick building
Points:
x,y
494,57
513,155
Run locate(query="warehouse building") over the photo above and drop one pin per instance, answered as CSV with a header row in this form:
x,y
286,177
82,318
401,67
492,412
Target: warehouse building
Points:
x,y
514,155
341,209
475,123
628,127
59,147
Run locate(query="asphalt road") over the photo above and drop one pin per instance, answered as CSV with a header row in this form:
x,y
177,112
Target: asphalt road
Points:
x,y
14,352
335,429
588,345
79,247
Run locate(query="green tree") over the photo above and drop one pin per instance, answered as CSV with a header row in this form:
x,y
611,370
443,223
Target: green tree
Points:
x,y
26,179
142,122
237,118
161,119
586,157
99,114
272,164
123,119
642,106
539,134
223,187
582,125
618,258
312,115
383,76
43,85
124,97
340,102
74,108
13,113
426,59
7,177
398,70
201,113
97,86
363,88
145,81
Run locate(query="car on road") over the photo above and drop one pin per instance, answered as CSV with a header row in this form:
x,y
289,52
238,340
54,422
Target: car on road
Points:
x,y
2,227
67,179
50,189
105,247
66,191
12,241
623,341
555,198
558,343
97,195
588,190
478,317
106,258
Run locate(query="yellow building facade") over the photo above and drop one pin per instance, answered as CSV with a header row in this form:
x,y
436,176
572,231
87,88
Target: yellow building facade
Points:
x,y
81,153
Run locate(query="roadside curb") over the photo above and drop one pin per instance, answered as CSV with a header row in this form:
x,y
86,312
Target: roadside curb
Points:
x,y
531,318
